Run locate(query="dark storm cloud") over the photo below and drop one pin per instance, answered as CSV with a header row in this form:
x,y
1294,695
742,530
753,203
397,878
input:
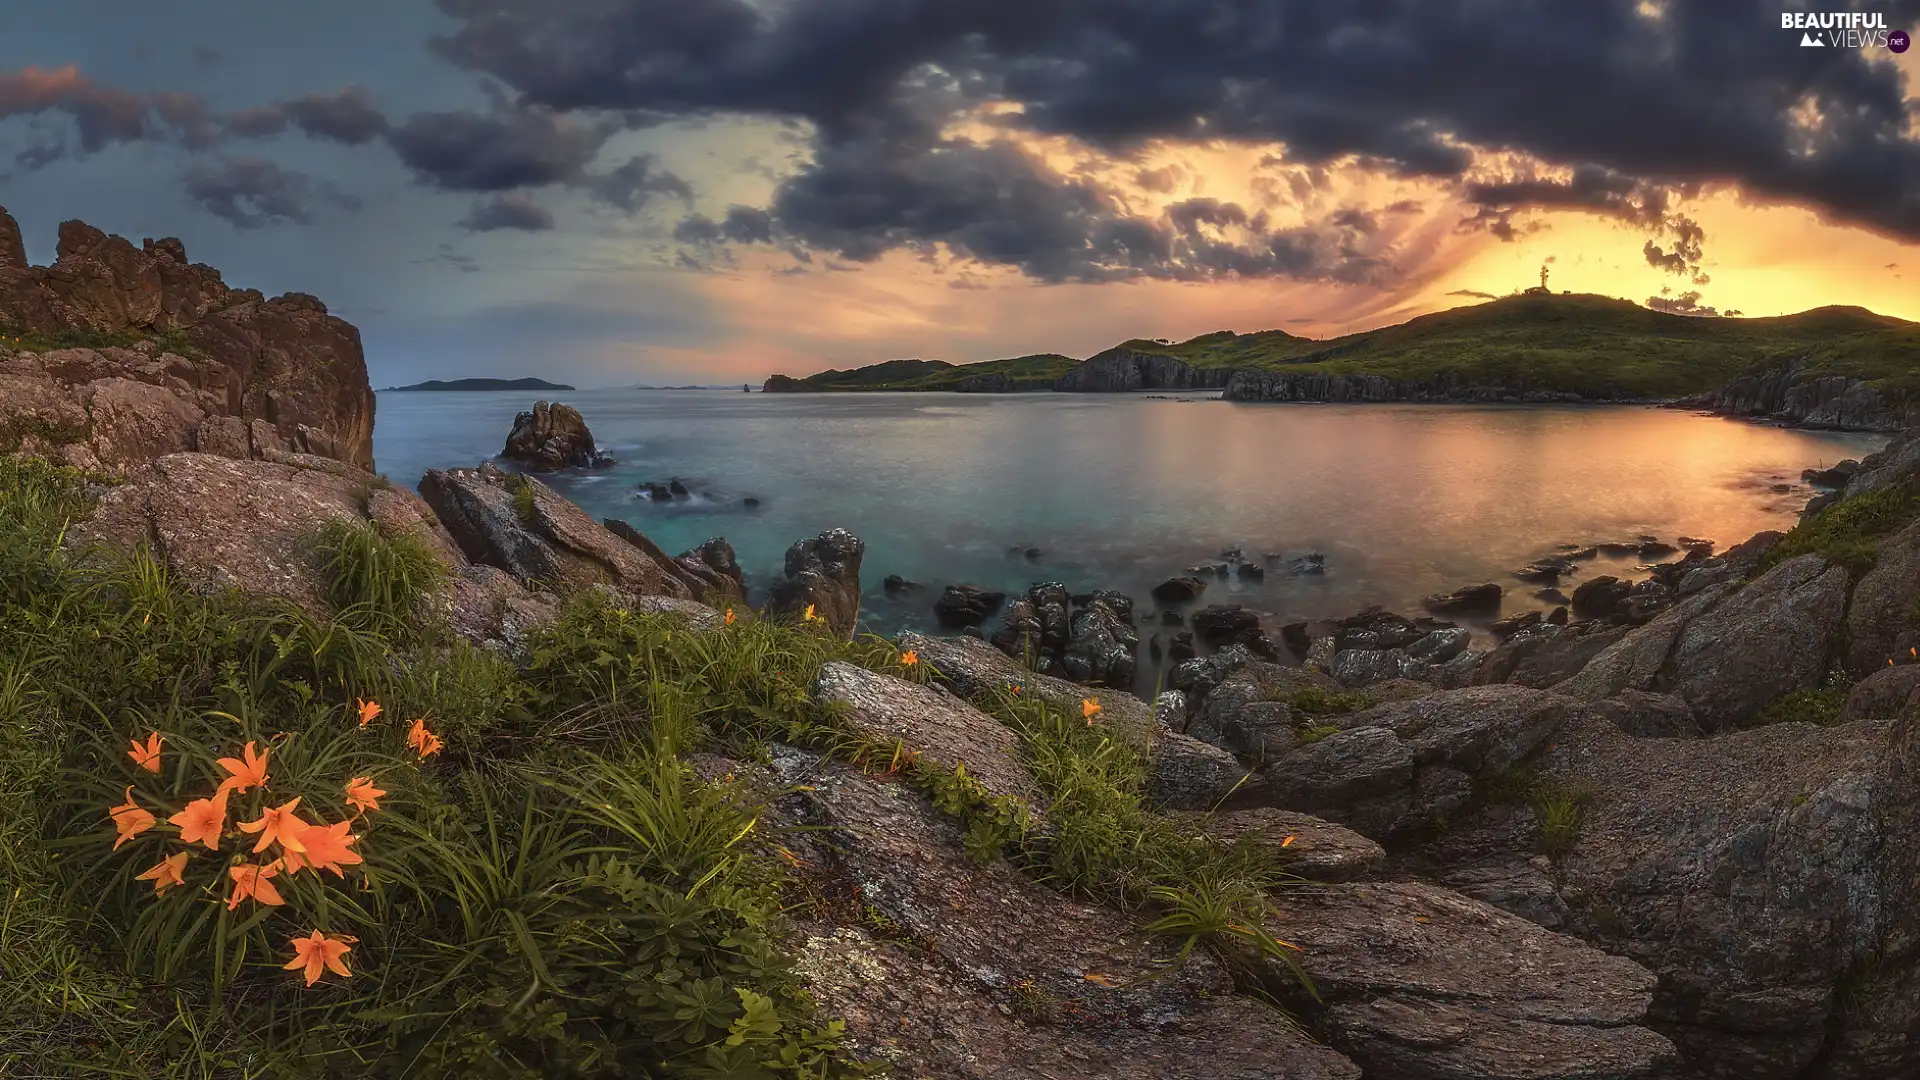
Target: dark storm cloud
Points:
x,y
512,210
251,193
512,146
1645,105
347,117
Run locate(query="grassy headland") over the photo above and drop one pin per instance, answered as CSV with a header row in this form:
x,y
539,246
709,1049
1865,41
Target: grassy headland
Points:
x,y
1595,346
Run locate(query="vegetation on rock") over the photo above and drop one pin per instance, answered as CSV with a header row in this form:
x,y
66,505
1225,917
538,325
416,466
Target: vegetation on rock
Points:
x,y
512,865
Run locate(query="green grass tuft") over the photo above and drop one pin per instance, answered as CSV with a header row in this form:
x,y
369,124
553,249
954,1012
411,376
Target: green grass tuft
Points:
x,y
523,507
1848,533
377,580
1559,811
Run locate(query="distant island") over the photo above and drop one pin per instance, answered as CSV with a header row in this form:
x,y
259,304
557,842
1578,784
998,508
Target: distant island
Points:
x,y
1831,366
484,384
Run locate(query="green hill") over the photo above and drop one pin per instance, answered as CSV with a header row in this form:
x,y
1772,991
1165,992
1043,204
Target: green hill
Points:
x,y
1592,345
1595,346
1036,372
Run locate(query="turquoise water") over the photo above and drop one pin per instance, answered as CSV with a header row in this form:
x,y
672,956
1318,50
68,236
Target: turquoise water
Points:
x,y
1125,491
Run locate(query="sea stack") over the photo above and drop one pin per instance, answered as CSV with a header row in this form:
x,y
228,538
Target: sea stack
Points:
x,y
553,436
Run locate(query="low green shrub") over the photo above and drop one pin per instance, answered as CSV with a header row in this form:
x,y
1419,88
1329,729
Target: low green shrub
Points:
x,y
1815,705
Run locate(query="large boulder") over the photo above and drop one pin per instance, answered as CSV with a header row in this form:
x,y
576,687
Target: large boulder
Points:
x,y
1885,603
822,573
1774,637
217,522
201,353
1398,768
932,723
1767,876
552,436
945,968
1416,982
1638,660
1547,655
523,527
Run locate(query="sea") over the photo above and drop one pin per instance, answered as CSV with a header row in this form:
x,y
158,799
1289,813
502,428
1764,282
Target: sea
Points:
x,y
1124,491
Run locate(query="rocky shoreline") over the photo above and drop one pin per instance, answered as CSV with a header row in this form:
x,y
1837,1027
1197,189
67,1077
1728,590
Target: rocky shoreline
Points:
x,y
1788,395
1665,832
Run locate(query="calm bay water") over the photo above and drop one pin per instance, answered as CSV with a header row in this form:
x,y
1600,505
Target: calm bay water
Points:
x,y
1125,491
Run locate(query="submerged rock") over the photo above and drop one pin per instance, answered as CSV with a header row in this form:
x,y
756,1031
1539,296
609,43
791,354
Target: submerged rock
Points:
x,y
1472,600
1179,590
966,605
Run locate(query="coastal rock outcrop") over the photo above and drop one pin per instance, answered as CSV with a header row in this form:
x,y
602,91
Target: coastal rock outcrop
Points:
x,y
162,357
552,436
987,975
1121,369
1792,393
523,527
1765,875
822,573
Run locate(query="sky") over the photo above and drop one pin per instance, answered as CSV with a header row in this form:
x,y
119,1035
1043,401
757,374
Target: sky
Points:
x,y
612,192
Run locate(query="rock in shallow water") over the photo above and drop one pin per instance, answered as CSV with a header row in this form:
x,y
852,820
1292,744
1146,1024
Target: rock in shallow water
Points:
x,y
822,572
554,436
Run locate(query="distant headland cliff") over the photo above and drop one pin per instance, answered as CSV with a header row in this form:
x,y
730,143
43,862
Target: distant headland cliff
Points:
x,y
1838,367
484,384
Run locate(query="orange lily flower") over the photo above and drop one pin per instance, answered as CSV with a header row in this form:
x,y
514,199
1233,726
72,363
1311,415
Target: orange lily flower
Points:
x,y
1288,842
130,819
277,823
166,873
252,881
203,820
368,710
809,616
316,952
246,775
418,737
1090,708
362,795
728,621
910,657
325,847
148,756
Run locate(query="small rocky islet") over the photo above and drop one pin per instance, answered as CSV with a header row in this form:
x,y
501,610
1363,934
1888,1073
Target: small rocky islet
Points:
x,y
1667,831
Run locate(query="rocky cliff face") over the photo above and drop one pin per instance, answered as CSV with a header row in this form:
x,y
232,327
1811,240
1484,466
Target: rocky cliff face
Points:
x,y
1249,384
206,367
1121,369
1791,394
